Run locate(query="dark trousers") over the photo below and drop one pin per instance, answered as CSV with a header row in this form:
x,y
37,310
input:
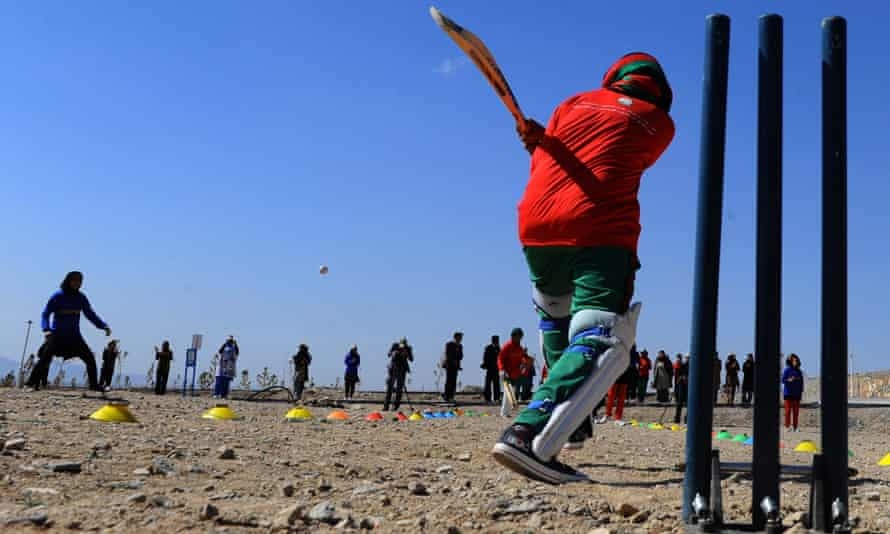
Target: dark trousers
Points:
x,y
747,396
450,384
492,386
107,373
161,379
350,381
67,347
395,382
221,389
681,391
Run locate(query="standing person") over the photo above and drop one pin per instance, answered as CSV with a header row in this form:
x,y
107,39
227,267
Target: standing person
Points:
x,y
400,357
510,367
492,388
579,228
748,380
643,367
454,354
681,387
732,377
618,392
301,361
664,377
352,360
164,357
526,376
109,357
717,365
226,367
63,337
792,382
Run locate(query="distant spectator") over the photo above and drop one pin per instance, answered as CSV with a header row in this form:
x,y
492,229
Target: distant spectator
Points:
x,y
226,367
681,387
732,378
748,380
716,370
451,363
162,372
301,361
492,388
664,377
644,365
352,361
792,382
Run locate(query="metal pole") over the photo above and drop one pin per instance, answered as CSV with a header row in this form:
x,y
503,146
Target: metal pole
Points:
x,y
24,351
767,345
700,411
834,260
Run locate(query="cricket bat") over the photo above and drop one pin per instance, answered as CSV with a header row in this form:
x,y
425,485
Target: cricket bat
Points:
x,y
509,393
483,59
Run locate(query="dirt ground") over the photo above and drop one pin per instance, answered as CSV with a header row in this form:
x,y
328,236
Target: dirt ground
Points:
x,y
174,471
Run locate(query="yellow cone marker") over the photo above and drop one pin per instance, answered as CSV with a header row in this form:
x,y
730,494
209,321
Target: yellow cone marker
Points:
x,y
806,446
885,461
415,417
113,413
298,413
220,412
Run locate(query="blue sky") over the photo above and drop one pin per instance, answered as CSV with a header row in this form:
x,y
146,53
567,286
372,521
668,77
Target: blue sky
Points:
x,y
200,160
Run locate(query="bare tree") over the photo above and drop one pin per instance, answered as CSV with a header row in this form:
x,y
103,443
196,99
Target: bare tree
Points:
x,y
245,379
150,376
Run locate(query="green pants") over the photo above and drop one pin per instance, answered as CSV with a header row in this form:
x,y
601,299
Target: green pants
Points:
x,y
599,278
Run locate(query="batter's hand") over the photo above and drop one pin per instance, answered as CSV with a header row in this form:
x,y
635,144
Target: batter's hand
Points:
x,y
531,133
107,331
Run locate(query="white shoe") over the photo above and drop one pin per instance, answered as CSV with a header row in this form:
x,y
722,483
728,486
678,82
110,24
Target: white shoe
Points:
x,y
602,420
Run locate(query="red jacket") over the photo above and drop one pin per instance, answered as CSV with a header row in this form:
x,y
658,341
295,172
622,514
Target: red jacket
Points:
x,y
510,359
644,365
582,189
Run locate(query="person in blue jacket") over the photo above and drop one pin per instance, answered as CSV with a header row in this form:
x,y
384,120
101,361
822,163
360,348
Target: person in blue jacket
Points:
x,y
63,337
792,386
350,378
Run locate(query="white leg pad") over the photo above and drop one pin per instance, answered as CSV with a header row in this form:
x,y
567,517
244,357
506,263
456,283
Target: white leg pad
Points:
x,y
609,366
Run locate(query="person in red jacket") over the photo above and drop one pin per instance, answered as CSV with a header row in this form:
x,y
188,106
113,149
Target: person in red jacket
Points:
x,y
579,225
643,367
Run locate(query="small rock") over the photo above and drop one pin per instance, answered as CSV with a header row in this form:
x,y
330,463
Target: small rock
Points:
x,y
101,445
536,521
370,523
34,518
640,517
290,515
32,492
324,512
17,444
626,510
141,472
385,501
137,497
601,530
464,457
65,467
324,485
286,490
162,466
366,489
197,469
127,484
226,453
453,530
73,525
208,511
873,496
444,469
525,507
161,502
416,488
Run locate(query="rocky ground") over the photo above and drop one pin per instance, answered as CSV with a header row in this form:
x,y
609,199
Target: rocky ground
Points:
x,y
174,471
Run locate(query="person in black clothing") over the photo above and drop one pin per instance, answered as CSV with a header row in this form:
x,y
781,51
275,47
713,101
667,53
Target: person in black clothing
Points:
x,y
400,358
63,337
681,388
301,361
748,380
109,357
454,354
163,357
490,364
